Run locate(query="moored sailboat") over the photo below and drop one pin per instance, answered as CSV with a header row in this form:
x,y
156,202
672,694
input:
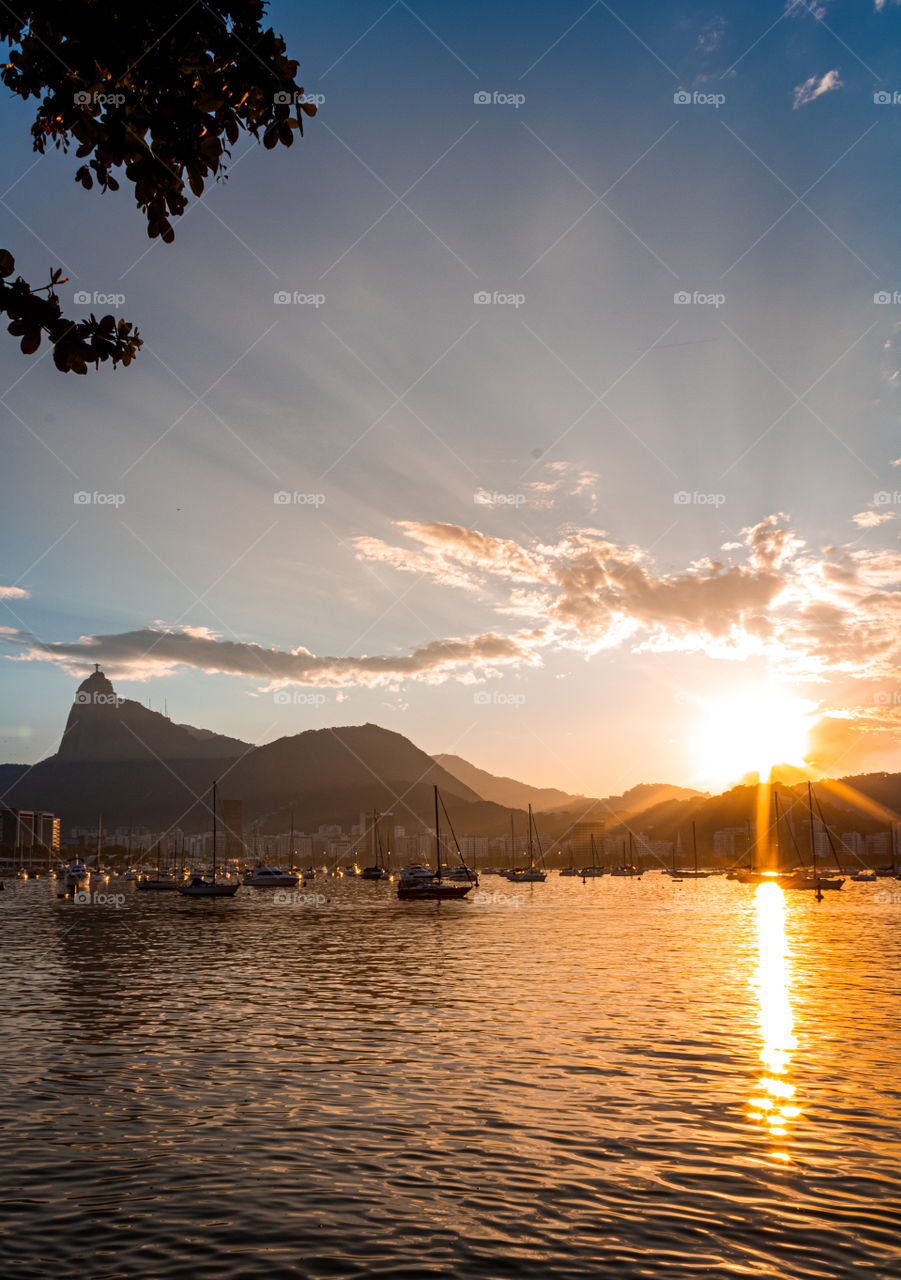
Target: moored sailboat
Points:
x,y
531,873
198,886
419,882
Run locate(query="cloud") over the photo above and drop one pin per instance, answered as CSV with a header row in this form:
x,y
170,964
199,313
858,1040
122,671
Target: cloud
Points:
x,y
817,616
158,651
563,480
870,519
711,34
811,615
815,88
13,593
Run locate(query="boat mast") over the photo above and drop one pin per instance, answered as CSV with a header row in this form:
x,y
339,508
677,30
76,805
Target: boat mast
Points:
x,y
214,830
694,844
512,844
631,855
437,837
813,843
531,854
99,838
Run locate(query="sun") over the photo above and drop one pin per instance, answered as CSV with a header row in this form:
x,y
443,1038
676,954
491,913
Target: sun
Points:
x,y
750,732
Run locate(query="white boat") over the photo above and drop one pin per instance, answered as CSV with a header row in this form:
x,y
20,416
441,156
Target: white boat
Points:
x,y
864,876
270,878
460,875
76,874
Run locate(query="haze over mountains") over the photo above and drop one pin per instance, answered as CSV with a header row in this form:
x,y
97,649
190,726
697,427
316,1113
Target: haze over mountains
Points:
x,y
136,767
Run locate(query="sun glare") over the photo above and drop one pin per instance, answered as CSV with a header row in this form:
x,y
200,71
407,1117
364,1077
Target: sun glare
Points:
x,y
751,732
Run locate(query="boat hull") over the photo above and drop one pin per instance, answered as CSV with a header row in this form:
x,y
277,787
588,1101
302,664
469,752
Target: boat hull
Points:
x,y
431,892
208,890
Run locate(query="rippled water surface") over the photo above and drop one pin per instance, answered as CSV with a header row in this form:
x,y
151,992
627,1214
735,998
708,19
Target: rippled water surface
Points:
x,y
613,1078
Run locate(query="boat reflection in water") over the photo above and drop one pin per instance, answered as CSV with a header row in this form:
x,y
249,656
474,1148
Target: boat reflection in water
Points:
x,y
773,1104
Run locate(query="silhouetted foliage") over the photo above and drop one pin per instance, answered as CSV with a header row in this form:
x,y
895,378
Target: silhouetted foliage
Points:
x,y
158,88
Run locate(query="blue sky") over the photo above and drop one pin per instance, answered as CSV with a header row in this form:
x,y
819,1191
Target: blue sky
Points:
x,y
560,425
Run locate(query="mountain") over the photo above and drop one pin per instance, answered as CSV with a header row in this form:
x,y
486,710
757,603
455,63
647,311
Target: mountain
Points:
x,y
507,791
136,767
104,728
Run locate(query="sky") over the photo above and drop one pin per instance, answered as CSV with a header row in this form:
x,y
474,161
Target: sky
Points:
x,y
575,444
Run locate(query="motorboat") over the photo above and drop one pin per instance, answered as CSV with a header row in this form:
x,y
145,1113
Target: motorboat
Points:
x,y
460,875
270,878
865,876
76,875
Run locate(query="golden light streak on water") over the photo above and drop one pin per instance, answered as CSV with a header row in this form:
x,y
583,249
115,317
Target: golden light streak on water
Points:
x,y
772,983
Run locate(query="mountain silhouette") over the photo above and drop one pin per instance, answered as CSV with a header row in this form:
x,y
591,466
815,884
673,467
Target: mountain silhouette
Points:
x,y
136,767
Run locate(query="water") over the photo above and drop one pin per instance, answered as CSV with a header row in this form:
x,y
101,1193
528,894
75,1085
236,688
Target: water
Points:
x,y
563,1080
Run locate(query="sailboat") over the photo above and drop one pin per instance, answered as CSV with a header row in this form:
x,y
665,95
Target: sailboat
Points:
x,y
811,878
377,870
163,880
695,874
420,882
594,869
531,872
628,868
571,870
199,887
